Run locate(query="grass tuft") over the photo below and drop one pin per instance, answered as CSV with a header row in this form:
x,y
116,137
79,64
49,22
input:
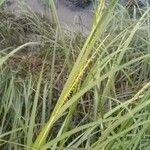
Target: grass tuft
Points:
x,y
60,90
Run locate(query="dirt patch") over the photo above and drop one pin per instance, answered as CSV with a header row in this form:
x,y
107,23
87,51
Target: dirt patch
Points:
x,y
71,16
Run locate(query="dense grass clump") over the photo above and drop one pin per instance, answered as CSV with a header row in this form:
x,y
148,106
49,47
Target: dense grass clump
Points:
x,y
64,90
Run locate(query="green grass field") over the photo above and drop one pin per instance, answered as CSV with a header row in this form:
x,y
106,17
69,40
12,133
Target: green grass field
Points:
x,y
67,91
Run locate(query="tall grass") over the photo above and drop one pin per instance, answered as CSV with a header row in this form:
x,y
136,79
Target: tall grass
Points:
x,y
101,102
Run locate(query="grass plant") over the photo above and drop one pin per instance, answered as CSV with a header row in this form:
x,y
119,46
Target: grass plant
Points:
x,y
60,90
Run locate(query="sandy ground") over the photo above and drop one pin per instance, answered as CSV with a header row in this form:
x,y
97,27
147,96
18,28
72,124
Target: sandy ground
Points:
x,y
70,18
75,17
